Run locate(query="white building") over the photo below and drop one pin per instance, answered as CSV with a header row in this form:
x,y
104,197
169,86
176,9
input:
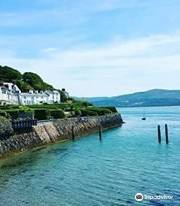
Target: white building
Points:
x,y
53,96
11,94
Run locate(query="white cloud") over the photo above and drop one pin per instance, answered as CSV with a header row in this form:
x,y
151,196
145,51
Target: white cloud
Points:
x,y
157,49
117,67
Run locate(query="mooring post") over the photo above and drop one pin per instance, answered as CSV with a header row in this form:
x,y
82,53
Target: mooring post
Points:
x,y
159,134
73,135
100,132
166,133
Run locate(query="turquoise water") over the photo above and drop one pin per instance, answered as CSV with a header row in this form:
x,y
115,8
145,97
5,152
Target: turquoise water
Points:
x,y
88,172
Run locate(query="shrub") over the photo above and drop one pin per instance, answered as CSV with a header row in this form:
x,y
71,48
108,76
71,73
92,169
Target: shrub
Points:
x,y
41,114
3,113
5,107
77,112
112,109
68,109
85,104
99,110
88,112
13,113
5,126
49,106
25,112
57,114
80,104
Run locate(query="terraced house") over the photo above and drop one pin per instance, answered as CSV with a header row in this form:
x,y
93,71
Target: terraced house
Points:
x,y
11,94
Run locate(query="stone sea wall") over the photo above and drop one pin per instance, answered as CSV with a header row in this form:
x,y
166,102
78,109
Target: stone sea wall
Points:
x,y
54,131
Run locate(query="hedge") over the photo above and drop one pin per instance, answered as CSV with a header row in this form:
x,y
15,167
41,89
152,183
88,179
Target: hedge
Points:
x,y
88,112
99,110
77,112
17,113
26,113
41,114
4,107
113,109
50,106
3,113
57,114
45,111
13,113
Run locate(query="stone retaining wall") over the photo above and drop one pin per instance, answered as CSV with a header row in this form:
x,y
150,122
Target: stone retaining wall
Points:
x,y
49,132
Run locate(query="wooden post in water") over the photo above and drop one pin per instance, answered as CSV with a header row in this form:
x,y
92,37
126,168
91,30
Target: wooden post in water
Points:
x,y
166,133
100,132
159,134
73,135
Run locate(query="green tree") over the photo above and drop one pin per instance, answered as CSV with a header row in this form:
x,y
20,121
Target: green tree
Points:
x,y
35,81
23,86
63,94
8,74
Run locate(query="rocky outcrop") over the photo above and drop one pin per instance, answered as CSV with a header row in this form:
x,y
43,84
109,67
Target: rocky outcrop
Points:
x,y
49,132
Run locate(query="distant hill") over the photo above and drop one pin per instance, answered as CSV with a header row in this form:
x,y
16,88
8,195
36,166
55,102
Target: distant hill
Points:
x,y
155,97
25,81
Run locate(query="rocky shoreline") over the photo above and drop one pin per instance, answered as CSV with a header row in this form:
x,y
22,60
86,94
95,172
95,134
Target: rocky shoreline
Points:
x,y
58,130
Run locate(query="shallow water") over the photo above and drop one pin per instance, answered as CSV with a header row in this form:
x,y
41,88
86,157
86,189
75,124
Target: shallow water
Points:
x,y
88,172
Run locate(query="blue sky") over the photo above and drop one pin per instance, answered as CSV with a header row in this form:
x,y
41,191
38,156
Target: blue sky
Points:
x,y
94,47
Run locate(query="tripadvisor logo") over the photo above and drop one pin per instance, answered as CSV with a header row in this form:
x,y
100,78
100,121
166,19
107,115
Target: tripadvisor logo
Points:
x,y
139,197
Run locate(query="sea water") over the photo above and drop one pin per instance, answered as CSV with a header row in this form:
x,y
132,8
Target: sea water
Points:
x,y
89,172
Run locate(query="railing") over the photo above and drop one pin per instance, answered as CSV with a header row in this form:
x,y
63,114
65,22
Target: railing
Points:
x,y
23,125
19,126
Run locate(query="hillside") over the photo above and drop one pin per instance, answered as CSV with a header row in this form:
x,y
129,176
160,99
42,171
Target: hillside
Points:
x,y
155,97
25,81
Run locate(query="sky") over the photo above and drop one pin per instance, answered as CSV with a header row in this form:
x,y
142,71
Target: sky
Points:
x,y
94,47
